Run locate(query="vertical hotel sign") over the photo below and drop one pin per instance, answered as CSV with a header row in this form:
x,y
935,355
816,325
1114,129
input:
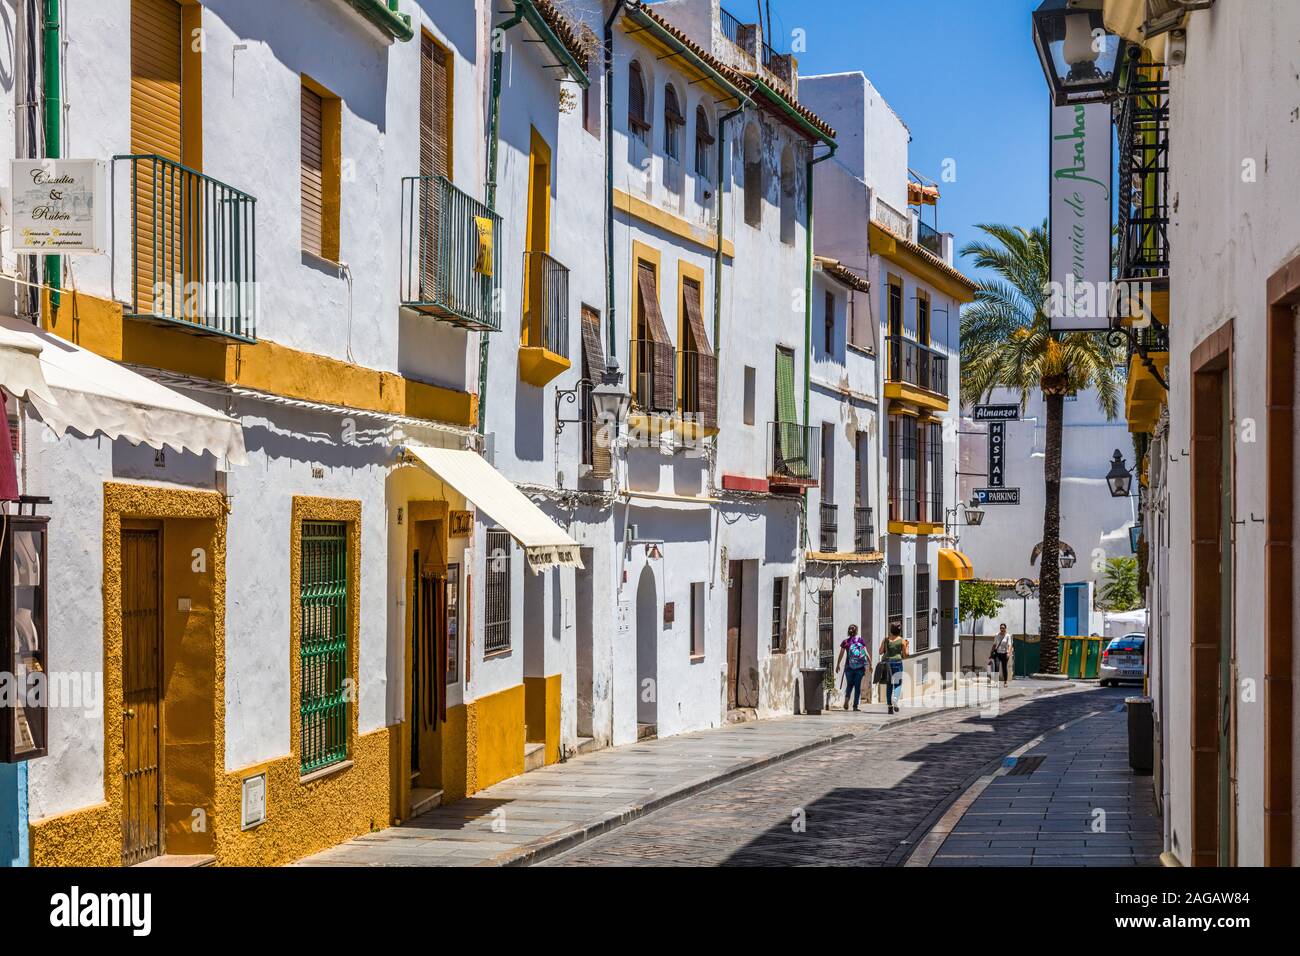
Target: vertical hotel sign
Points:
x,y
1082,159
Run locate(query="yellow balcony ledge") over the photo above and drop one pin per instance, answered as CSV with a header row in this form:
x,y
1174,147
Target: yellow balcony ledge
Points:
x,y
915,527
646,421
1157,304
537,366
914,395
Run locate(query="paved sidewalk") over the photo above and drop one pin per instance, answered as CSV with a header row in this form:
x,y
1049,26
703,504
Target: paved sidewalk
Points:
x,y
549,810
1068,800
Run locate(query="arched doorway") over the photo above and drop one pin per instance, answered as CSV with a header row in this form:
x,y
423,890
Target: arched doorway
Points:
x,y
647,655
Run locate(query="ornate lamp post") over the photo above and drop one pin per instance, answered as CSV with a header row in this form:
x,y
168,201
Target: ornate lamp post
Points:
x,y
1080,57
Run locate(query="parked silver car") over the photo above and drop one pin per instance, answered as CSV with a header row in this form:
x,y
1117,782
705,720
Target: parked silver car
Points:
x,y
1124,659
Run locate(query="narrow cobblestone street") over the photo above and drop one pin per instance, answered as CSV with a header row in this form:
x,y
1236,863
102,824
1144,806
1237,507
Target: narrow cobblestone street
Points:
x,y
862,802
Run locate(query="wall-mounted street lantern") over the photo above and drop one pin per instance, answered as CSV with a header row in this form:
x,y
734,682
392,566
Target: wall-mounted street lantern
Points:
x,y
609,402
974,513
971,509
1119,477
1080,57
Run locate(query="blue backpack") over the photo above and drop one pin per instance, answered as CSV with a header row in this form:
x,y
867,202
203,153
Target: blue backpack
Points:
x,y
857,658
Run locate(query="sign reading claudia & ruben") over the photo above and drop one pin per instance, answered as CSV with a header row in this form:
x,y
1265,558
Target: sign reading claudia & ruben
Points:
x,y
59,206
1080,293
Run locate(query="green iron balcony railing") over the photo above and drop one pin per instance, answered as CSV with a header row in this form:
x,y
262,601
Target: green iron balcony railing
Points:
x,y
790,454
451,256
546,303
193,249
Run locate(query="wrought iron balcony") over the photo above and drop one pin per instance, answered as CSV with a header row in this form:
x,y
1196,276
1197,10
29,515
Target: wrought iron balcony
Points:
x,y
697,380
1149,340
929,238
793,454
451,259
546,303
830,528
653,385
864,531
731,27
912,363
193,249
1143,134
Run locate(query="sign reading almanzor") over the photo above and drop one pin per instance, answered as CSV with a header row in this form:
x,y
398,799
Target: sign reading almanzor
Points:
x,y
58,206
1080,209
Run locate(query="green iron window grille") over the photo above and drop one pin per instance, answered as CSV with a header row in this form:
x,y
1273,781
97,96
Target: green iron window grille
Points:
x,y
496,593
193,248
323,652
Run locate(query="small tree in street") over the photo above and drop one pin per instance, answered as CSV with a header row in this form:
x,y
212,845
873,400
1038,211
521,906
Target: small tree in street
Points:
x,y
1119,589
977,600
1007,342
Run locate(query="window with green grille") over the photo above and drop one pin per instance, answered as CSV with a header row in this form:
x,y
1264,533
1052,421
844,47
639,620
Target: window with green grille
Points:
x,y
323,637
496,593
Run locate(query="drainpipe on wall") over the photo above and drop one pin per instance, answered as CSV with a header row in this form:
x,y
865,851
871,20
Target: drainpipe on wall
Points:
x,y
612,362
717,250
52,107
494,139
807,325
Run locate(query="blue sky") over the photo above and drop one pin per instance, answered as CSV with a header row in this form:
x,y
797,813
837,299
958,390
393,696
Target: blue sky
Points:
x,y
962,74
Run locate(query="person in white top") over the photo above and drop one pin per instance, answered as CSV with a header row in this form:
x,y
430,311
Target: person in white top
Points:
x,y
1002,645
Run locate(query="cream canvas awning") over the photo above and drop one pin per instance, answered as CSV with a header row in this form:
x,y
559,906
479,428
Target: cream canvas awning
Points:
x,y
72,387
545,543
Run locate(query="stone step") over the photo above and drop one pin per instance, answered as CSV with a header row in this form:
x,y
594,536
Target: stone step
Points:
x,y
181,859
424,799
584,745
647,731
534,756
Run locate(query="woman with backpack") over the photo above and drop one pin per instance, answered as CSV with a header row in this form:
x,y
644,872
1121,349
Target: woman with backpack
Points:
x,y
858,653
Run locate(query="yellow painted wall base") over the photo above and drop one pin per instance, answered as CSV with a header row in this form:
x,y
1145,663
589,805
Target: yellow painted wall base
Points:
x,y
542,713
99,325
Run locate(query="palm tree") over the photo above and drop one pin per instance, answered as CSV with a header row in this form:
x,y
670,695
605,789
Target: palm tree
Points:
x,y
1119,591
1007,342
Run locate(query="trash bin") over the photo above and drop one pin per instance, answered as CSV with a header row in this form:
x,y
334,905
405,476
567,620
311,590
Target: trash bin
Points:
x,y
1141,734
814,691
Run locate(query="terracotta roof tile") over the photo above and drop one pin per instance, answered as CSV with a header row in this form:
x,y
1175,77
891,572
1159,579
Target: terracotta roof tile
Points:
x,y
563,29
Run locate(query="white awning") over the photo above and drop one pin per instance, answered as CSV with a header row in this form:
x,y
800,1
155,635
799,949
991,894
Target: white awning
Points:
x,y
545,543
74,388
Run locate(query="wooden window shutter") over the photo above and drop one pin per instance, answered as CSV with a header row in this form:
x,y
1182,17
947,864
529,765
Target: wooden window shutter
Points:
x,y
785,404
593,367
664,398
313,172
156,129
435,155
592,351
635,98
706,367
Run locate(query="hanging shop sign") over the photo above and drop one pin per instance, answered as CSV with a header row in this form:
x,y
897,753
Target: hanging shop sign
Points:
x,y
1082,157
460,524
997,413
997,454
58,206
998,496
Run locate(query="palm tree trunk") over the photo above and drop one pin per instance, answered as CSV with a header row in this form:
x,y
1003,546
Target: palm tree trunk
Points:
x,y
1049,568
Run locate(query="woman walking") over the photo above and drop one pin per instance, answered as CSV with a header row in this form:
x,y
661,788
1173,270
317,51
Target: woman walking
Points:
x,y
1002,652
859,656
892,651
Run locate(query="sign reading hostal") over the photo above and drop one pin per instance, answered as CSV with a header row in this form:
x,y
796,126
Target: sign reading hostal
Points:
x,y
1080,209
997,454
58,206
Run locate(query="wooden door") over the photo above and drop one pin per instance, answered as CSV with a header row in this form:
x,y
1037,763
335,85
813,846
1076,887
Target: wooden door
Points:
x,y
735,607
142,832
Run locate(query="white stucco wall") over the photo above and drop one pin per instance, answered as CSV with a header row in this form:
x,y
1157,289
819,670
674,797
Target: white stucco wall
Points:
x,y
1230,232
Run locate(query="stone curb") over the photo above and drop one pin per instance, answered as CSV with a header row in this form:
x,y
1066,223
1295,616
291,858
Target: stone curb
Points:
x,y
553,844
925,841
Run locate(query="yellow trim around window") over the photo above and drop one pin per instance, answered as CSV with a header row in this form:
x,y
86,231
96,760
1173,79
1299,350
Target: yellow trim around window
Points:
x,y
675,225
